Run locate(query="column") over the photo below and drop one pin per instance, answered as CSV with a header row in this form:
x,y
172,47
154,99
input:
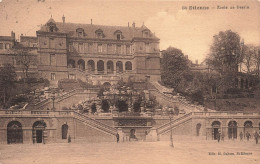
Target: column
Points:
x,y
105,67
114,65
95,65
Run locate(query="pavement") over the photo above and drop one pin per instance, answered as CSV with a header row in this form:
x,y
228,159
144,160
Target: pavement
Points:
x,y
137,152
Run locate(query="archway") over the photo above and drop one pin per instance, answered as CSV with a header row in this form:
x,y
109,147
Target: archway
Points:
x,y
91,66
71,63
81,64
14,132
64,131
39,129
232,130
100,66
215,129
198,126
248,127
119,67
110,67
128,66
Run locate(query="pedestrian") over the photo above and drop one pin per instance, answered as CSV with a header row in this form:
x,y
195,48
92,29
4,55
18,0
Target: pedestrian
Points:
x,y
248,136
241,136
69,139
117,137
256,135
218,136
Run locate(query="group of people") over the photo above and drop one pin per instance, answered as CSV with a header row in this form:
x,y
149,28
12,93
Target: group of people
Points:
x,y
220,135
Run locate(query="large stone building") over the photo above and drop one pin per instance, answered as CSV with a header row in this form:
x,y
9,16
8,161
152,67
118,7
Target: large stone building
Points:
x,y
91,52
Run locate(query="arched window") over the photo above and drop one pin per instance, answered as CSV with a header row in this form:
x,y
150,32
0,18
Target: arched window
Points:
x,y
119,67
14,132
198,126
91,66
81,64
232,130
71,63
128,66
64,129
110,67
100,66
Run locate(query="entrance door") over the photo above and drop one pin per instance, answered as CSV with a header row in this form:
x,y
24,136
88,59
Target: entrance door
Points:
x,y
39,136
232,130
14,132
64,129
215,131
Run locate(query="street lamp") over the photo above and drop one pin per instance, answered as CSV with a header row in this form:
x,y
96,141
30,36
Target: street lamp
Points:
x,y
53,99
171,139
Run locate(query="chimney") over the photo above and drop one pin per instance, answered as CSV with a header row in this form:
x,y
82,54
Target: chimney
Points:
x,y
63,19
133,25
12,34
91,21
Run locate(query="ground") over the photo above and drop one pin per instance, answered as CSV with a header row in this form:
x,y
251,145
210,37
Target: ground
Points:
x,y
184,151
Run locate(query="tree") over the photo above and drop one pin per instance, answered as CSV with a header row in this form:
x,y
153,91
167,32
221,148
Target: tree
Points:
x,y
225,52
7,80
93,108
26,58
174,66
248,58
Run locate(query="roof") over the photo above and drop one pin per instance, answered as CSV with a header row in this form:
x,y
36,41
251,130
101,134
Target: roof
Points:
x,y
128,33
7,38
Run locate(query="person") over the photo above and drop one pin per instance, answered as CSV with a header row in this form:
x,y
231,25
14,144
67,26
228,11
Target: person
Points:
x,y
248,136
117,137
241,136
69,139
218,136
256,137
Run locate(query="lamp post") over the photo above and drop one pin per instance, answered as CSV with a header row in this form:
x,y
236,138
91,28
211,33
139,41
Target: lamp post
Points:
x,y
171,139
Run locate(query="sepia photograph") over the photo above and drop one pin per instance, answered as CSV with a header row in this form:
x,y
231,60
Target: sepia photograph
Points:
x,y
129,81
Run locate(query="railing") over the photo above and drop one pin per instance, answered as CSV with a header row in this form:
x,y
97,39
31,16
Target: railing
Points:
x,y
94,123
168,125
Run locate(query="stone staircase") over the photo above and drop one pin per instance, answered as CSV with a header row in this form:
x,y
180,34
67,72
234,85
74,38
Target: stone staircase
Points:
x,y
86,120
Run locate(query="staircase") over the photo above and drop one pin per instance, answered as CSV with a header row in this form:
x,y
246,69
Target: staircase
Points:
x,y
95,124
174,123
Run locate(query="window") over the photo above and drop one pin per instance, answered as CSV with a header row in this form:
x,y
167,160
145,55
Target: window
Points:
x,y
52,43
80,34
52,59
90,47
118,36
81,48
128,49
7,46
109,49
146,34
53,76
147,47
51,28
1,46
99,48
99,35
118,49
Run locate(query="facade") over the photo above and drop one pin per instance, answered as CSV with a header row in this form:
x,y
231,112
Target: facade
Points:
x,y
93,53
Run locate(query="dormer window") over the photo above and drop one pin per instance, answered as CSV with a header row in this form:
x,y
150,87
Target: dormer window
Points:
x,y
99,34
80,32
118,35
146,33
52,27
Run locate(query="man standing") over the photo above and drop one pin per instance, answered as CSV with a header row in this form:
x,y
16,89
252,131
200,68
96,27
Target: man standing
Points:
x,y
241,136
218,136
117,137
256,135
248,136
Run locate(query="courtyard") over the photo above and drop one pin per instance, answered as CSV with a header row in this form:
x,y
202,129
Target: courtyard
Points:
x,y
185,150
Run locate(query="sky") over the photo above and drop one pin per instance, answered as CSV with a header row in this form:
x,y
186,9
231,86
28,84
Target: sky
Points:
x,y
191,31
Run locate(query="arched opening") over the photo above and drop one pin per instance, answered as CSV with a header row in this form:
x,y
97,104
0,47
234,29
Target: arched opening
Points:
x,y
198,126
100,67
128,66
132,133
122,105
215,129
14,132
110,67
248,127
119,67
39,132
71,63
232,130
81,64
64,129
91,66
106,86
